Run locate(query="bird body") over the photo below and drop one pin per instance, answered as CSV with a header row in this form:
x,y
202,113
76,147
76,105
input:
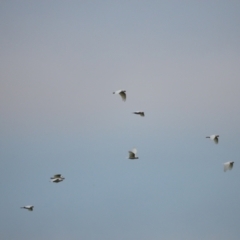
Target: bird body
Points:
x,y
139,113
133,154
122,93
214,138
28,207
57,180
228,166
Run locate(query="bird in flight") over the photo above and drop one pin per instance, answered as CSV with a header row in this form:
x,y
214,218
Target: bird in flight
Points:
x,y
57,178
214,138
228,166
122,93
28,207
139,113
132,154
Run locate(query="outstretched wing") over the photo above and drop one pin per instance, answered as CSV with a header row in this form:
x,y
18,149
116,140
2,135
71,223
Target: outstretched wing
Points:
x,y
139,113
123,95
56,176
226,166
131,154
134,150
231,165
215,140
57,180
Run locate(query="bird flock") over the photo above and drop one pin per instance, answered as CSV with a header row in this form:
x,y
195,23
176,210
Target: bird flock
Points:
x,y
133,153
56,179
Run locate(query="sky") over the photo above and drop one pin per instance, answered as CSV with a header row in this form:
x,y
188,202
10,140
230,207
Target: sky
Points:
x,y
60,63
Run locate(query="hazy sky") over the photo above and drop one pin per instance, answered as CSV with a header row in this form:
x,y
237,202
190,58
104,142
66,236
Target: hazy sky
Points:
x,y
60,63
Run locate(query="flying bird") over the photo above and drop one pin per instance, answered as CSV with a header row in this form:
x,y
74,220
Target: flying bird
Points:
x,y
28,207
139,113
214,138
133,154
122,93
57,178
228,166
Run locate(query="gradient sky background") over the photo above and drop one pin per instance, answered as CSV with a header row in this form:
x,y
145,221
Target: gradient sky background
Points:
x,y
60,63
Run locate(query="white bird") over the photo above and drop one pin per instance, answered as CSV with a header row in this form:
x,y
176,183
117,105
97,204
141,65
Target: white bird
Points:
x,y
139,113
133,154
28,207
228,166
214,138
57,178
122,93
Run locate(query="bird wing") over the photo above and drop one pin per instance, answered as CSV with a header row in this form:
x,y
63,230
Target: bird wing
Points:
x,y
226,166
134,150
231,165
123,95
139,113
28,207
56,180
57,176
215,140
131,154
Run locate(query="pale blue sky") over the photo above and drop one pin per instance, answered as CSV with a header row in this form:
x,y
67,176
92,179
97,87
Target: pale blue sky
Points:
x,y
60,63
